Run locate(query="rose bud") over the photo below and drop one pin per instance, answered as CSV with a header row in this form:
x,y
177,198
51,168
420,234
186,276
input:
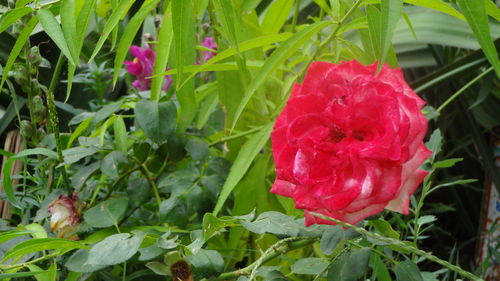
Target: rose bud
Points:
x,y
349,142
65,215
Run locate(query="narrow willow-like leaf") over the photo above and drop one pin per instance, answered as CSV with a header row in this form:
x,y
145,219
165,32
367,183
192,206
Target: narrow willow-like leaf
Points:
x,y
129,34
54,31
118,12
68,25
18,46
81,25
276,15
241,164
277,58
230,24
391,13
12,16
492,9
165,37
243,47
184,35
475,13
438,6
7,183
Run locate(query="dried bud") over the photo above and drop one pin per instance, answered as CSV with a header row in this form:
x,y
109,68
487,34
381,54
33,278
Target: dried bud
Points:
x,y
26,128
65,217
181,271
34,57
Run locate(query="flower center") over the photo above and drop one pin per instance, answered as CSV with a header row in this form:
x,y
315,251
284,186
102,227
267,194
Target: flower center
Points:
x,y
337,134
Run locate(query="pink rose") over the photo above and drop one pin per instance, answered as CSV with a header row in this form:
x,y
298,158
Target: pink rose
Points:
x,y
349,143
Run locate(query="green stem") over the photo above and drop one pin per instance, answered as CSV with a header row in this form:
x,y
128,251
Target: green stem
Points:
x,y
404,246
242,134
54,120
276,250
454,96
152,183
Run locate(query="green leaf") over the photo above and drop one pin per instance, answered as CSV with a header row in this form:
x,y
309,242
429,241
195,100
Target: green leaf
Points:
x,y
391,13
156,119
129,34
434,144
242,162
475,13
12,16
197,148
426,219
379,268
447,163
117,13
120,132
18,46
358,260
309,266
243,46
407,271
207,262
165,37
331,238
7,183
276,15
75,154
54,31
36,151
158,268
384,228
273,222
38,245
81,176
106,213
113,163
277,58
438,6
115,249
78,262
68,24
184,34
4,276
49,275
492,9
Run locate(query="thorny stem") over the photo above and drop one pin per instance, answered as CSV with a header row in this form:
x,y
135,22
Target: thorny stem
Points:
x,y
404,246
279,248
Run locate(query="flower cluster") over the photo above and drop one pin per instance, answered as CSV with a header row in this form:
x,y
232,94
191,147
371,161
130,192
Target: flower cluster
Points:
x,y
209,43
349,142
142,67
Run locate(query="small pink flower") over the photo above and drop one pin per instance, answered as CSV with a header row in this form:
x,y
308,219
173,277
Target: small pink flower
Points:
x,y
65,214
142,67
209,43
